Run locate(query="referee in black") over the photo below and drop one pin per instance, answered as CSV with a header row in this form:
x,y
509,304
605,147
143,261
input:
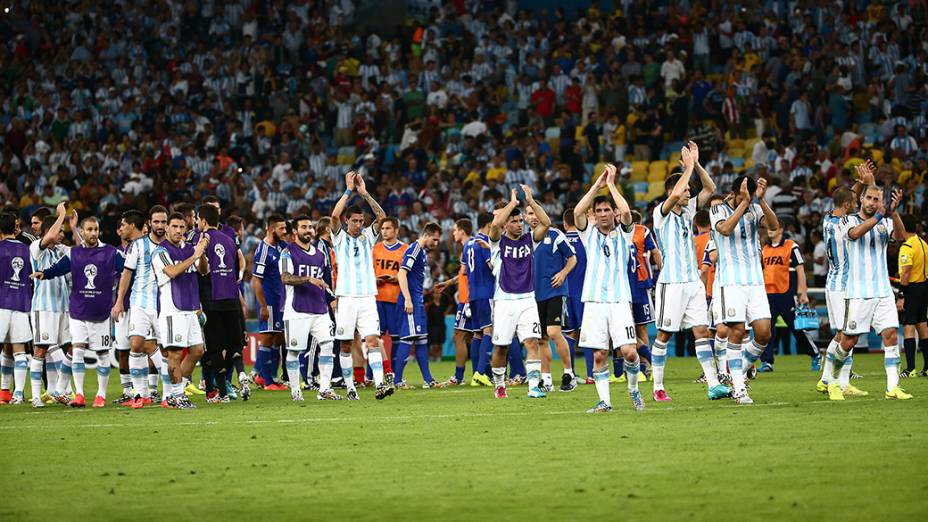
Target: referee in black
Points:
x,y
913,280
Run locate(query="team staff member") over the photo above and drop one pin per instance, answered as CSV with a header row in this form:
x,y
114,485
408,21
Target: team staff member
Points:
x,y
388,255
781,261
913,278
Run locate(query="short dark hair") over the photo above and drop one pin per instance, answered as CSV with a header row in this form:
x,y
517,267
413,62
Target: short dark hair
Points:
x,y
843,196
135,218
736,186
89,218
466,225
392,220
301,217
354,209
599,200
515,212
910,222
671,182
159,209
7,223
484,219
431,228
636,216
701,219
275,218
209,200
210,214
186,208
569,217
176,216
323,223
41,213
234,222
47,223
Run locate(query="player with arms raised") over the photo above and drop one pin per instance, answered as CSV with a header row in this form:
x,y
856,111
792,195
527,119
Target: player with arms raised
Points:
x,y
607,296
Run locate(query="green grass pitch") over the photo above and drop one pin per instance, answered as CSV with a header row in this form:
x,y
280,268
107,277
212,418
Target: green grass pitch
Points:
x,y
460,454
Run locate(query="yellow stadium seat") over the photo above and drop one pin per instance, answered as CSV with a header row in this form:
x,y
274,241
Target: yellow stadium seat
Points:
x,y
736,143
655,190
640,166
674,158
659,165
904,177
877,156
657,176
749,144
748,163
739,152
638,177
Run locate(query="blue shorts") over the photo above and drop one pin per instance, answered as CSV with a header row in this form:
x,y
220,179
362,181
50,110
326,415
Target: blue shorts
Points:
x,y
574,314
462,318
481,315
642,307
414,325
387,312
274,322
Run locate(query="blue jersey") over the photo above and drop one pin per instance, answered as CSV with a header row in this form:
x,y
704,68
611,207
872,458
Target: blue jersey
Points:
x,y
575,277
638,287
835,236
869,273
480,278
415,263
551,254
267,269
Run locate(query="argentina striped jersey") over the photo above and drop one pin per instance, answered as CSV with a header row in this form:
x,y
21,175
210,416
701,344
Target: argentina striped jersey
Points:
x,y
835,236
739,252
674,234
354,257
144,292
868,273
607,255
50,295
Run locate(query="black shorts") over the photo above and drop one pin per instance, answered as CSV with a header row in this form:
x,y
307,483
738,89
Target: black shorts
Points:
x,y
552,312
223,330
916,303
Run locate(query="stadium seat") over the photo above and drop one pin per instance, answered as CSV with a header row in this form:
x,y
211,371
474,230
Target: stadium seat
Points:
x,y
736,143
877,156
655,190
748,163
640,166
737,162
736,153
749,145
640,187
656,176
346,156
658,166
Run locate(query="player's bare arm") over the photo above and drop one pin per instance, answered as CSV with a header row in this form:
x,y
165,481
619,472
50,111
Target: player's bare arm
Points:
x,y
379,214
501,216
544,222
174,270
586,202
770,217
622,211
725,227
342,202
708,184
680,188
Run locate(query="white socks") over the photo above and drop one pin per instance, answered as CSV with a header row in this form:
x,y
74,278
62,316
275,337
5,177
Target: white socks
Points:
x,y
375,360
326,365
533,371
828,369
20,369
658,361
138,372
706,360
78,369
601,378
721,355
735,367
891,363
499,377
631,372
103,373
292,363
347,364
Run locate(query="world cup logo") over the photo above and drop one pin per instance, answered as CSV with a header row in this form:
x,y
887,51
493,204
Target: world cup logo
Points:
x,y
17,265
90,271
221,254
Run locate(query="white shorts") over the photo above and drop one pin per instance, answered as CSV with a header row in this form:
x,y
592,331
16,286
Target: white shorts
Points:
x,y
14,327
356,313
878,313
180,330
122,333
95,335
740,304
143,323
513,317
681,306
50,328
603,322
837,306
297,330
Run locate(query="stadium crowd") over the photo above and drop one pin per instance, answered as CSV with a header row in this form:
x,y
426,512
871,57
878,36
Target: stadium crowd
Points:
x,y
129,104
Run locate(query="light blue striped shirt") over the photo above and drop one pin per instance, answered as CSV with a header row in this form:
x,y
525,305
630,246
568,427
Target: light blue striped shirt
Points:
x,y
868,272
835,235
739,252
144,292
607,255
675,238
354,260
50,295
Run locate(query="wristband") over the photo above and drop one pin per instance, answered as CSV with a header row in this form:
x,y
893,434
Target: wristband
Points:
x,y
878,216
348,193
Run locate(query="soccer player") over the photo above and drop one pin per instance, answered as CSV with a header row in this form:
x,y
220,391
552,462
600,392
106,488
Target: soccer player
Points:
x,y
481,284
219,295
913,278
464,338
515,311
176,264
413,322
641,281
268,290
15,301
575,291
131,227
388,255
306,309
742,298
607,314
707,254
554,261
143,304
356,285
869,298
50,299
94,268
681,296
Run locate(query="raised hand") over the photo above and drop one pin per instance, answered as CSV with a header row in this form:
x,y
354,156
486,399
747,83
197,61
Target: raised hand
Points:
x,y
201,245
686,158
610,173
359,183
761,188
61,208
350,180
73,219
529,197
895,201
745,194
694,150
513,195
